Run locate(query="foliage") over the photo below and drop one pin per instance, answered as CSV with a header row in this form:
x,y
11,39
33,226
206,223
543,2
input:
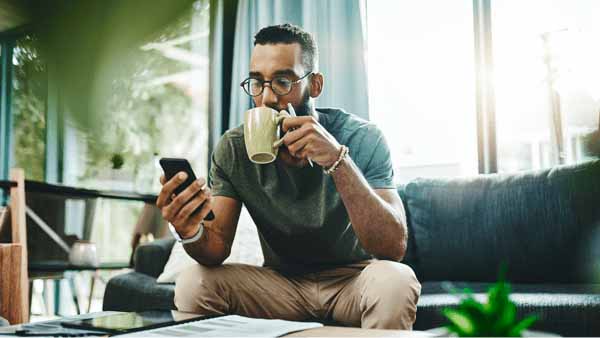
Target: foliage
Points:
x,y
134,108
591,143
29,107
117,161
495,318
134,115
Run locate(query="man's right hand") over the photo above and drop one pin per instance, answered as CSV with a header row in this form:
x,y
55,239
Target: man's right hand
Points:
x,y
181,210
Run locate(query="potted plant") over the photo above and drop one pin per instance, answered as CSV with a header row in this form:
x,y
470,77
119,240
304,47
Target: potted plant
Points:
x,y
117,161
497,317
116,174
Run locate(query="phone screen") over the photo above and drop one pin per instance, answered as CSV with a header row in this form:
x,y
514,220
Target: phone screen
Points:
x,y
172,166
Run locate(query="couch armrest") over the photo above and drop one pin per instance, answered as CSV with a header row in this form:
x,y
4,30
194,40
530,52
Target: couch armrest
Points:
x,y
134,291
150,258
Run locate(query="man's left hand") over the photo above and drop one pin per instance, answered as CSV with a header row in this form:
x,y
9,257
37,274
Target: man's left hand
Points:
x,y
305,139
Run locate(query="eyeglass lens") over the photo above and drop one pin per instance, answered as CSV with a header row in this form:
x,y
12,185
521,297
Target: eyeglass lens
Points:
x,y
280,85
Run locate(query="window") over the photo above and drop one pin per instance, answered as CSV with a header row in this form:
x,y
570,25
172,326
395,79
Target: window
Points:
x,y
29,93
421,85
546,73
156,107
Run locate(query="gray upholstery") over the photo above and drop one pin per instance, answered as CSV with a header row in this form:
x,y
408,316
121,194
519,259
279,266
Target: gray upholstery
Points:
x,y
545,225
3,322
539,223
151,259
136,291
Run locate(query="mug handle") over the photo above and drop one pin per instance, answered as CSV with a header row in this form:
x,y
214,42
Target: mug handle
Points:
x,y
282,115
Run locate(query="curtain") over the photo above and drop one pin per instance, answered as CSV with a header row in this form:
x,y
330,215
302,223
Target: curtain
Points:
x,y
222,30
337,26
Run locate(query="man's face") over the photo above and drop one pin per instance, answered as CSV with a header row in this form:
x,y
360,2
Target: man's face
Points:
x,y
272,60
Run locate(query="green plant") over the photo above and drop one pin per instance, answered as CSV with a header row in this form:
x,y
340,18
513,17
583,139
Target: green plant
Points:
x,y
117,161
495,318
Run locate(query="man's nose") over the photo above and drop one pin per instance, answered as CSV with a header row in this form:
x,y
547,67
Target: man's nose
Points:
x,y
269,99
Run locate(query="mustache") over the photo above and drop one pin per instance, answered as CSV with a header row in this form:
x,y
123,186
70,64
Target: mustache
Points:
x,y
300,110
277,108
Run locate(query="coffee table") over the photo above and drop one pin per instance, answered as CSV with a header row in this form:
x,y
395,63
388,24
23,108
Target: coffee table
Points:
x,y
326,331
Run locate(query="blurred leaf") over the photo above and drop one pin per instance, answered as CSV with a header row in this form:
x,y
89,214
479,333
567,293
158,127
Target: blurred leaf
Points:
x,y
473,309
523,325
460,321
505,319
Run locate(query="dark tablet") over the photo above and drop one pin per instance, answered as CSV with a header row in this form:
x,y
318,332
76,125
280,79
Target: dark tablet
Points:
x,y
125,322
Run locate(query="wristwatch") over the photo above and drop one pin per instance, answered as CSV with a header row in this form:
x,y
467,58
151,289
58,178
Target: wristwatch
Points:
x,y
186,240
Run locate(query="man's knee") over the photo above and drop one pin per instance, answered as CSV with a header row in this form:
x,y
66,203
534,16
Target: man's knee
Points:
x,y
196,290
391,292
392,279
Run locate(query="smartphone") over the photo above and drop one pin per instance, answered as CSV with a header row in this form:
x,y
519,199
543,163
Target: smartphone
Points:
x,y
171,166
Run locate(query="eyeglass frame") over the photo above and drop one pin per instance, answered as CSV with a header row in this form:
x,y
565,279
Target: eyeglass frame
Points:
x,y
270,84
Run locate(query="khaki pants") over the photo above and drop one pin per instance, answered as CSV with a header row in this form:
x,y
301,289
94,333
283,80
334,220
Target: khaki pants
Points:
x,y
371,294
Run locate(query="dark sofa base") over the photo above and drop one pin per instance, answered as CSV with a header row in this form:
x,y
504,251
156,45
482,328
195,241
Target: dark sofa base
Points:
x,y
568,310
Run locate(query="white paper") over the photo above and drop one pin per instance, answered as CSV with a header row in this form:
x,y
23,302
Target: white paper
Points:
x,y
229,326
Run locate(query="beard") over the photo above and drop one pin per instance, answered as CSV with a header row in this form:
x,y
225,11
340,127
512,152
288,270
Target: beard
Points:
x,y
306,107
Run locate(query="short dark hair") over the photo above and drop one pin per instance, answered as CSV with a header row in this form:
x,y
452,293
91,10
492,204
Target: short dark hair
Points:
x,y
288,34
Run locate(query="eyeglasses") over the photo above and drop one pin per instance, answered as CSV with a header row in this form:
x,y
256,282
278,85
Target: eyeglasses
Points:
x,y
281,85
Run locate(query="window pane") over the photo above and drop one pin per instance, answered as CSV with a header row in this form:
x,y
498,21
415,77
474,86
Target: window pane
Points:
x,y
546,76
421,85
29,107
158,111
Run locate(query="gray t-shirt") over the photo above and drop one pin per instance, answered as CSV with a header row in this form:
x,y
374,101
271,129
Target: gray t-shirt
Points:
x,y
301,219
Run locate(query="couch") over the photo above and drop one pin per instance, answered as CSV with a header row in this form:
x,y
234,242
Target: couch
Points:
x,y
543,225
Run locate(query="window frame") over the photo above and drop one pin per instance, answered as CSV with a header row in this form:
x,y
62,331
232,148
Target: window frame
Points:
x,y
485,100
7,43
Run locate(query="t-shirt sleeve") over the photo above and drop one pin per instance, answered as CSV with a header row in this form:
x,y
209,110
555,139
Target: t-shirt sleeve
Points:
x,y
219,177
379,171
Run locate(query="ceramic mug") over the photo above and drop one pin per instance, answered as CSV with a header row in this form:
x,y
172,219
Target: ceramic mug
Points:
x,y
83,253
261,133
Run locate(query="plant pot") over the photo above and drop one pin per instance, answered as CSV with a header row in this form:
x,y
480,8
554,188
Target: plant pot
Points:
x,y
116,179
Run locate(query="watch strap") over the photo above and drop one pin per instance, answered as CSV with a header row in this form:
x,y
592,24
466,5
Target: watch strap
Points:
x,y
186,240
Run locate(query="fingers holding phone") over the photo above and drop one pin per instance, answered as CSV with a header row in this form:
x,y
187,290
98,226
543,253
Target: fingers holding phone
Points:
x,y
188,208
197,208
174,167
167,191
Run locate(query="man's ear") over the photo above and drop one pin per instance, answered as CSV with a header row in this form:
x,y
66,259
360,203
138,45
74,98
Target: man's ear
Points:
x,y
316,85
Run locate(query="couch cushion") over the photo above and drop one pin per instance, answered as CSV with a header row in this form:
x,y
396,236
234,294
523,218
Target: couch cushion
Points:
x,y
543,224
150,258
566,309
136,291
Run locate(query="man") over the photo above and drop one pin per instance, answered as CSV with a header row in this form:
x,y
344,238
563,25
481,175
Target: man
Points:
x,y
320,226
